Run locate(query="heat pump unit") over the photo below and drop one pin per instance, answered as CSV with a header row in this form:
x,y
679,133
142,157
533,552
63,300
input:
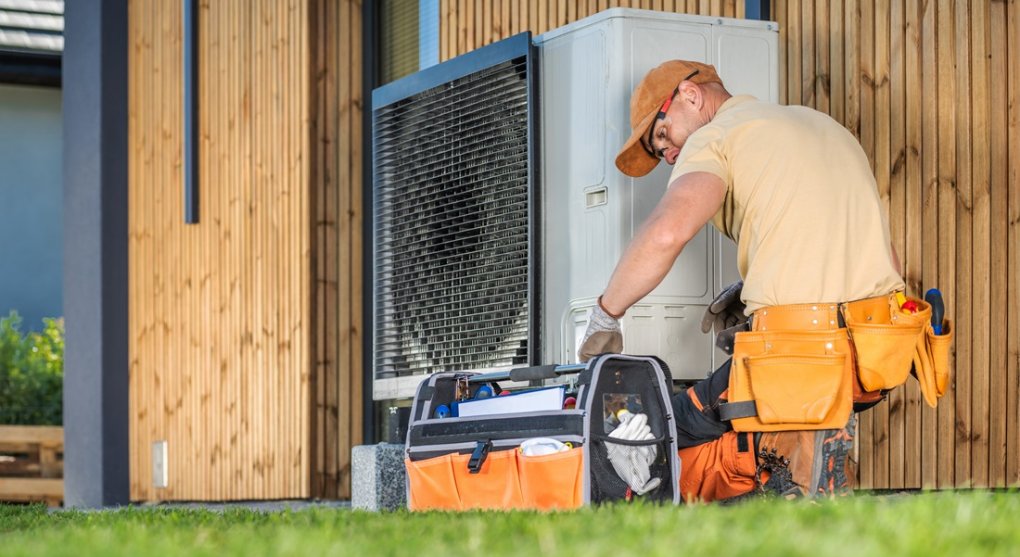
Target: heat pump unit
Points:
x,y
499,212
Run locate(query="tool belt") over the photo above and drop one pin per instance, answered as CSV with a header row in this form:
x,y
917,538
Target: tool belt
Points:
x,y
801,367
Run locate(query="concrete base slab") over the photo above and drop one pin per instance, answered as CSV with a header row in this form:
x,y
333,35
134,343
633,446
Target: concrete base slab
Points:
x,y
378,478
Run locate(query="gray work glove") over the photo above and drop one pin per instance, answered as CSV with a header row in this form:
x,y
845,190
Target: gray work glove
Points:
x,y
603,335
725,315
633,464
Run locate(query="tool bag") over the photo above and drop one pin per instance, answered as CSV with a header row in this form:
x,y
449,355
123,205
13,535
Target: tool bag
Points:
x,y
461,463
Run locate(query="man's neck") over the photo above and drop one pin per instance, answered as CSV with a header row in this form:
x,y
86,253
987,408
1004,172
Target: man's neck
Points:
x,y
714,98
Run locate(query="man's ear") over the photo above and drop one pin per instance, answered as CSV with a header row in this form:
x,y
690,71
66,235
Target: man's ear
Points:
x,y
691,93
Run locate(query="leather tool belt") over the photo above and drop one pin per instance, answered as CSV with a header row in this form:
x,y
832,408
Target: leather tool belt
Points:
x,y
802,366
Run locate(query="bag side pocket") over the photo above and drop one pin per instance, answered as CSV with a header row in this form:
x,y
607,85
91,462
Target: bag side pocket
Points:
x,y
495,486
431,484
552,481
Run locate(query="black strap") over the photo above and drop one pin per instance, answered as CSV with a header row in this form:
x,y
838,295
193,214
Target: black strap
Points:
x,y
478,456
742,444
733,410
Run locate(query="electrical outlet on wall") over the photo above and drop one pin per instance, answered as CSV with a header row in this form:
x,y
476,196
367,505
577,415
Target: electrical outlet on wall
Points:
x,y
159,467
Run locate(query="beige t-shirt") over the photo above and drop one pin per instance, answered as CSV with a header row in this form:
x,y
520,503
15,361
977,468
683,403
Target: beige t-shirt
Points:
x,y
801,203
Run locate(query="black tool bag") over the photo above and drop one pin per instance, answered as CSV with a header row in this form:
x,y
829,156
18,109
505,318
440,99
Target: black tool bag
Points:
x,y
458,463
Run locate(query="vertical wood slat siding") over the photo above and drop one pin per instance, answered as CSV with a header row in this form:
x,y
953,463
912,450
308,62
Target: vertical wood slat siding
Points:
x,y
220,311
946,168
465,25
947,172
337,184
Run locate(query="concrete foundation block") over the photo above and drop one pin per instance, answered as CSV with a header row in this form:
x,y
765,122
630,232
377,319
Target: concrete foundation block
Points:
x,y
378,478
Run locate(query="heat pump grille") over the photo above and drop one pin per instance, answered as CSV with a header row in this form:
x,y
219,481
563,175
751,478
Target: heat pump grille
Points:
x,y
453,257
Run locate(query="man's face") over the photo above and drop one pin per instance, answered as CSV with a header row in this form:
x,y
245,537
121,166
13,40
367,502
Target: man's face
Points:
x,y
682,118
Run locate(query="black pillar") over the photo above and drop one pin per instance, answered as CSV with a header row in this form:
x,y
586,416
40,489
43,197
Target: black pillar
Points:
x,y
95,253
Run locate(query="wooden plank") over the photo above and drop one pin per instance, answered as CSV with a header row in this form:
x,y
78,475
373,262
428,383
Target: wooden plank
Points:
x,y
337,416
851,67
1013,242
947,232
794,53
891,120
461,29
837,79
822,72
930,256
34,434
980,248
909,85
807,53
998,269
30,489
357,259
780,16
503,29
963,207
867,72
485,11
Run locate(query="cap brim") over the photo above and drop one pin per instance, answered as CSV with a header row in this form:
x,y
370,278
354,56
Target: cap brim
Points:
x,y
633,159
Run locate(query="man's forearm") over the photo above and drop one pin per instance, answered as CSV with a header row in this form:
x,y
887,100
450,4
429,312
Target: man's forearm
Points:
x,y
687,205
644,264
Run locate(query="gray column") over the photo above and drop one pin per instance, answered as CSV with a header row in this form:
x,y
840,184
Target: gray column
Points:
x,y
95,253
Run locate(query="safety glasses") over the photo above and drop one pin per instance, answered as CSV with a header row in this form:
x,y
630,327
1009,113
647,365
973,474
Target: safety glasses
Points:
x,y
661,115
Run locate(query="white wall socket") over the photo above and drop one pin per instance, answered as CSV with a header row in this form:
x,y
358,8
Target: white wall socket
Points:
x,y
159,467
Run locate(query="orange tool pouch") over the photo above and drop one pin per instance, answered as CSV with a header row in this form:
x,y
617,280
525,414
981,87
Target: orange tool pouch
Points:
x,y
792,371
890,342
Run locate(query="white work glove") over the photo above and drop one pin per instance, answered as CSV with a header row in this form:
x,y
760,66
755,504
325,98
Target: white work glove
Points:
x,y
725,315
602,336
633,464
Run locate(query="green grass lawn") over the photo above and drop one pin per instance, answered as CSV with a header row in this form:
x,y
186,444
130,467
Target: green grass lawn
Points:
x,y
964,523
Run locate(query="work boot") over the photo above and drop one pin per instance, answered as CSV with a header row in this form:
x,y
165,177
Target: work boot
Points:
x,y
817,461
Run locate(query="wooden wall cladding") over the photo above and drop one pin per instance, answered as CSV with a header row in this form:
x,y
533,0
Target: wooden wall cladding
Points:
x,y
337,185
469,24
220,311
930,88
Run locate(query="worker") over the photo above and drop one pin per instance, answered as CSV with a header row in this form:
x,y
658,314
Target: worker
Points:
x,y
794,190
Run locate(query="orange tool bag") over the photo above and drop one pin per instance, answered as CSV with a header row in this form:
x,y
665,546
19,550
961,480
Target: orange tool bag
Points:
x,y
461,460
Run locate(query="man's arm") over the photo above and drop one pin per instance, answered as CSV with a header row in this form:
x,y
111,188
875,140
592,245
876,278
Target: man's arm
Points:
x,y
689,203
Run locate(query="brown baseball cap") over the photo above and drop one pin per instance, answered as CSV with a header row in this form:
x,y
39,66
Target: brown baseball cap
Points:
x,y
649,95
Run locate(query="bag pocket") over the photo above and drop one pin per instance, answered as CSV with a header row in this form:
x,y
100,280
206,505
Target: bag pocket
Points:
x,y
495,486
431,484
552,481
796,389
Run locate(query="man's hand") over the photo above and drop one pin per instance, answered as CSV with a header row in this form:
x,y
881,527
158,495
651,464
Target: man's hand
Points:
x,y
725,315
603,335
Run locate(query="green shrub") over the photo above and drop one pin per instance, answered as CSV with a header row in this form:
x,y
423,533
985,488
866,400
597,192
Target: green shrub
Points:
x,y
31,372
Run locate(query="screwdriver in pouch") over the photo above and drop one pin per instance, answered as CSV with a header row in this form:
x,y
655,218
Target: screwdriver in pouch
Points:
x,y
938,309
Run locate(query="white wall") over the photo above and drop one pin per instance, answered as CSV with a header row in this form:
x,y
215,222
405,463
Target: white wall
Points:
x,y
31,203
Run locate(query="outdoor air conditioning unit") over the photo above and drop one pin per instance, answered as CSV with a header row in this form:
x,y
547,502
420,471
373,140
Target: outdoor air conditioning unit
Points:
x,y
499,212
